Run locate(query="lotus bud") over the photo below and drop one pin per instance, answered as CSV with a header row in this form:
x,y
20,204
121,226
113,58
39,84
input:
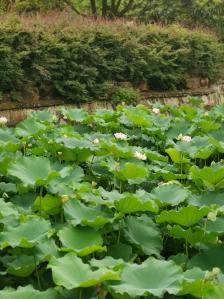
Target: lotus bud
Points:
x,y
208,275
212,216
216,271
64,198
96,141
5,195
94,184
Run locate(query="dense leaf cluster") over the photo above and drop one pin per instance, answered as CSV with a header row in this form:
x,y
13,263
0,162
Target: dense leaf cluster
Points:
x,y
86,63
84,215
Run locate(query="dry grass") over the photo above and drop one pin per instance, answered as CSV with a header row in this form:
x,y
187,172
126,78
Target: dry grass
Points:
x,y
69,21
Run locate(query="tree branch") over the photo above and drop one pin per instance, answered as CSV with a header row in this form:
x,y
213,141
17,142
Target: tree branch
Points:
x,y
71,5
117,6
126,8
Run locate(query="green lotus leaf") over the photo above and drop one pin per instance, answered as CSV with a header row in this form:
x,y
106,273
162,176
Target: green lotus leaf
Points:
x,y
25,235
21,265
32,170
137,117
177,156
218,110
194,283
75,114
152,277
8,187
81,240
75,149
109,263
209,258
8,142
28,292
78,213
45,250
6,158
144,234
64,185
162,122
209,199
171,193
166,174
49,204
155,156
44,116
216,226
208,126
211,177
120,251
179,126
70,272
117,149
186,216
216,292
24,202
7,209
131,171
30,127
131,203
199,147
193,235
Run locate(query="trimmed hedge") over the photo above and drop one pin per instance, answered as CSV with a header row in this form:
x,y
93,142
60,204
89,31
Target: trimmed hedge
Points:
x,y
83,62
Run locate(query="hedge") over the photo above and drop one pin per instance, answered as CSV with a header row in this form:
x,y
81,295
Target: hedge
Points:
x,y
84,62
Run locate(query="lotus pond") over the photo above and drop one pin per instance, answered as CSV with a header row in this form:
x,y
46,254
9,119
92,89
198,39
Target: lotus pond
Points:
x,y
125,203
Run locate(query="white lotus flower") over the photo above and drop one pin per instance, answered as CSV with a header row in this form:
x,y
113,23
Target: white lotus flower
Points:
x,y
120,136
156,110
216,271
140,156
96,141
3,121
212,216
185,138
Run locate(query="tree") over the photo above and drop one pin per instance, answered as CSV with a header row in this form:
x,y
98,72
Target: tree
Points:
x,y
105,8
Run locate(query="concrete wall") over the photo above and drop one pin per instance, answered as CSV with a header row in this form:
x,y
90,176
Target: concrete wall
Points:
x,y
212,95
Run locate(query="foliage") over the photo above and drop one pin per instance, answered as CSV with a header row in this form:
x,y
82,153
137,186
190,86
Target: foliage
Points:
x,y
81,63
193,13
88,213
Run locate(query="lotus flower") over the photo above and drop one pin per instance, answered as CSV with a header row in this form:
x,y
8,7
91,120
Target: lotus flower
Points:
x,y
120,136
3,121
140,156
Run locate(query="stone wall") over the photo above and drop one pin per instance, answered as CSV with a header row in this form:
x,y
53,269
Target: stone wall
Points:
x,y
17,111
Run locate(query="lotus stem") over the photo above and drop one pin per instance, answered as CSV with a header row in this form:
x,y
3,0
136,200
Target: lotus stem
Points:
x,y
37,274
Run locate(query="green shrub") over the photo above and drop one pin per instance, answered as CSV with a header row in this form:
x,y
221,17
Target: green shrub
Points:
x,y
81,62
125,94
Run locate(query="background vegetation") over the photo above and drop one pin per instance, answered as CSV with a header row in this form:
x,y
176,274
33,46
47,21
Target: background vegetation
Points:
x,y
193,13
80,60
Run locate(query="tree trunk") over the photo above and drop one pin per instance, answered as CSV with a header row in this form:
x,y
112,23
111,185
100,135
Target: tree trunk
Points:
x,y
93,7
104,8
